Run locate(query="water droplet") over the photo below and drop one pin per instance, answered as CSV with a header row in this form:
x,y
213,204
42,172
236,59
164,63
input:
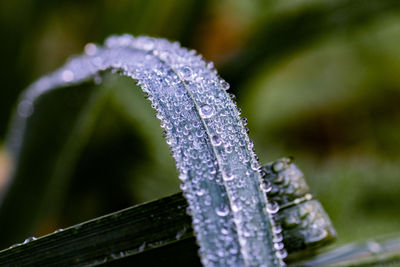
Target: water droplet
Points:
x,y
228,176
29,239
15,245
244,120
255,165
226,232
114,256
200,133
186,73
200,192
164,134
222,210
374,247
97,61
207,200
90,49
277,238
142,247
206,111
67,76
289,160
278,166
278,245
189,211
277,229
180,233
216,140
183,176
225,85
164,55
148,43
281,254
272,207
220,253
266,186
235,208
183,186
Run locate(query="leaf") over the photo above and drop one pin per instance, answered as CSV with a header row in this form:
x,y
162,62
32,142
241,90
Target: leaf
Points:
x,y
208,140
283,33
154,227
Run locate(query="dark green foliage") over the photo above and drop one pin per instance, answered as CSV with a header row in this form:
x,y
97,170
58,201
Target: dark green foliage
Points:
x,y
306,226
118,235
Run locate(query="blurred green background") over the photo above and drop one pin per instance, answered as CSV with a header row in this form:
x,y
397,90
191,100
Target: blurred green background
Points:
x,y
317,80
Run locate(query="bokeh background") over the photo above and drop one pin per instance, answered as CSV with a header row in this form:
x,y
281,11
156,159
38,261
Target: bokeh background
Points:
x,y
317,80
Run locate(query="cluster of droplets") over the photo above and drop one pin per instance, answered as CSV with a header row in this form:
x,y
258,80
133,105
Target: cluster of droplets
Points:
x,y
219,170
273,177
26,241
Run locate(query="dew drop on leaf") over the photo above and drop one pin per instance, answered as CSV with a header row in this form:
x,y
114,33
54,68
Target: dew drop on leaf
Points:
x,y
29,239
222,210
272,207
266,186
277,229
278,245
228,149
282,253
206,111
182,176
67,76
147,43
278,166
277,237
186,73
216,140
90,49
228,176
224,85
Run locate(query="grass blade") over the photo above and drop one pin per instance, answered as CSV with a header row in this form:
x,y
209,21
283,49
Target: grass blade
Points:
x,y
219,171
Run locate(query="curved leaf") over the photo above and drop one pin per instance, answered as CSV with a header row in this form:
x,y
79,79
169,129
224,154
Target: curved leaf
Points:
x,y
215,158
